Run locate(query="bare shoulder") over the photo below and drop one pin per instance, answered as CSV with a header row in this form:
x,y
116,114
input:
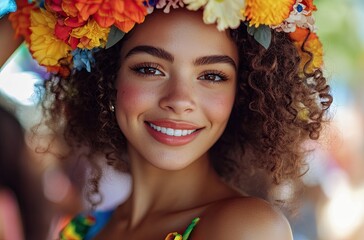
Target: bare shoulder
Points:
x,y
243,218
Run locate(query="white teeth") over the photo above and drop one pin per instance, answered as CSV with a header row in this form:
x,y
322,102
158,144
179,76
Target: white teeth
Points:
x,y
171,131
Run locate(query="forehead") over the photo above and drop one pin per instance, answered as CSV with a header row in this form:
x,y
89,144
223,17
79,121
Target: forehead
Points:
x,y
181,31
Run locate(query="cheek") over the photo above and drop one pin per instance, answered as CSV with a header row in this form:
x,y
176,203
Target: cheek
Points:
x,y
131,97
219,107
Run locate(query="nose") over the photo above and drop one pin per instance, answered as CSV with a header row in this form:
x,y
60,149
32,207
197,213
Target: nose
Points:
x,y
178,96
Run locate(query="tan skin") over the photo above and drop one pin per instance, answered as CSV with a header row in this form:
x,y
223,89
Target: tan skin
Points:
x,y
7,41
173,181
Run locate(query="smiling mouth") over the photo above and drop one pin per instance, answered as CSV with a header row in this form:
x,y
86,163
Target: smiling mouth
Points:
x,y
171,131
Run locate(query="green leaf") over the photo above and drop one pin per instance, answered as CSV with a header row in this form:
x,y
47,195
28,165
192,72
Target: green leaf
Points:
x,y
115,35
251,30
263,35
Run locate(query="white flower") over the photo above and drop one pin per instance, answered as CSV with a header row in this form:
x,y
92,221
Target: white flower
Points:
x,y
167,4
226,13
299,17
195,4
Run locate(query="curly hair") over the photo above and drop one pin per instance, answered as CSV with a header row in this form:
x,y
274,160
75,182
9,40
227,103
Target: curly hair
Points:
x,y
277,108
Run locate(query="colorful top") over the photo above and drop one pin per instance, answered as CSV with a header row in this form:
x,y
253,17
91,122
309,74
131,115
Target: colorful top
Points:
x,y
85,226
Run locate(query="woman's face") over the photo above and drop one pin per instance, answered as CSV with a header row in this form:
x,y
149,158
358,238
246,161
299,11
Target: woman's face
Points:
x,y
175,88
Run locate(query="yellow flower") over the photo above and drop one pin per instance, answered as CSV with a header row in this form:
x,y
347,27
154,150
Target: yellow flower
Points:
x,y
267,12
91,35
46,48
303,114
226,13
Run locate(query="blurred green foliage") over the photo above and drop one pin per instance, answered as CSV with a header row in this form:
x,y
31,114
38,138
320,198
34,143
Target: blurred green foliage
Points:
x,y
341,30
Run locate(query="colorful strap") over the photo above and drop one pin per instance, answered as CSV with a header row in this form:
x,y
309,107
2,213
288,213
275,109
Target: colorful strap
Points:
x,y
78,227
186,234
85,226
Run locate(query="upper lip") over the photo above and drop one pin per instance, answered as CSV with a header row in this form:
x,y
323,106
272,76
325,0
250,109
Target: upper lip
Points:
x,y
166,123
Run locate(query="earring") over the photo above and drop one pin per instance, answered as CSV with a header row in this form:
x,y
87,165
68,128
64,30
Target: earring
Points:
x,y
112,108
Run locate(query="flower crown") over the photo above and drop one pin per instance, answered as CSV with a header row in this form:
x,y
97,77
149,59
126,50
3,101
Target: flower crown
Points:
x,y
62,35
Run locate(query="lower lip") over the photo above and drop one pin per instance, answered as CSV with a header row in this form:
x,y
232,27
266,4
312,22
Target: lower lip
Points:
x,y
171,140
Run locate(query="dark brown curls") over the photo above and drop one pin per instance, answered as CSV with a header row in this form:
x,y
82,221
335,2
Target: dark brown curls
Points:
x,y
277,108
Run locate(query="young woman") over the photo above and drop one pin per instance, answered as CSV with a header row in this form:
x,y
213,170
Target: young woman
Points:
x,y
201,115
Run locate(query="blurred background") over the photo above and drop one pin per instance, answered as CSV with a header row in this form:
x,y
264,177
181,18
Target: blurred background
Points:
x,y
332,205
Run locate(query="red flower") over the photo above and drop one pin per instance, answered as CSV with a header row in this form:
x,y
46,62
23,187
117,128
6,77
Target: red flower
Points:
x,y
54,5
309,4
74,22
67,19
22,3
65,8
62,32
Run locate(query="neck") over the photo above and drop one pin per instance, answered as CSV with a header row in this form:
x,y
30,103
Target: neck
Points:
x,y
159,191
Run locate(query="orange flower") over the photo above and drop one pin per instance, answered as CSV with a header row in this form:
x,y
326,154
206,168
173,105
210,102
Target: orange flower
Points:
x,y
20,21
135,12
119,7
64,71
312,44
125,25
299,35
69,8
123,13
107,13
87,8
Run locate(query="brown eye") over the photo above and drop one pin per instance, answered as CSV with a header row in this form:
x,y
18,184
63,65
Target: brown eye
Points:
x,y
150,71
213,77
147,69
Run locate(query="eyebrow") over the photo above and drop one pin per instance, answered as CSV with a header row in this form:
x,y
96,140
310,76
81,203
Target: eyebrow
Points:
x,y
163,54
154,51
215,59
